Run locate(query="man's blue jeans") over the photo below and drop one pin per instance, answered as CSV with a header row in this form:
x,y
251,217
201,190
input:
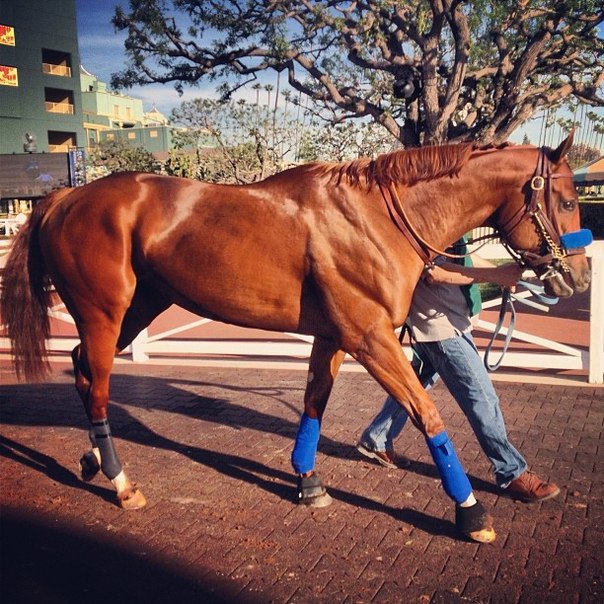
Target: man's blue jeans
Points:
x,y
457,362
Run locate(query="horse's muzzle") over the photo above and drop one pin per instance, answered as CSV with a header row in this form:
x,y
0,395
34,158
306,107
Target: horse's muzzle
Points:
x,y
564,284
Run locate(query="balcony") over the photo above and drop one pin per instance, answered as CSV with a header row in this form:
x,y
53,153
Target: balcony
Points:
x,y
65,108
58,70
59,148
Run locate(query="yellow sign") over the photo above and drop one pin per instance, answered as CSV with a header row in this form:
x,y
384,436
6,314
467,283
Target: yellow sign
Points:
x,y
8,76
7,35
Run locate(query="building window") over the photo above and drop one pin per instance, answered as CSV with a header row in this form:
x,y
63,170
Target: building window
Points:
x,y
56,63
110,136
131,135
8,76
57,100
116,110
7,35
61,142
153,133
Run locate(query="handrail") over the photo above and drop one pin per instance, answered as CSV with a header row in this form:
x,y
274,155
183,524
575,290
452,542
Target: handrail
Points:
x,y
66,108
60,70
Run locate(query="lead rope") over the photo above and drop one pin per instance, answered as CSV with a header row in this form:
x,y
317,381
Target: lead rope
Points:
x,y
507,304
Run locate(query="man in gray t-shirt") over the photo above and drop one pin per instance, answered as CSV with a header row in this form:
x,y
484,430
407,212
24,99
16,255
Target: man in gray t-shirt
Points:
x,y
440,321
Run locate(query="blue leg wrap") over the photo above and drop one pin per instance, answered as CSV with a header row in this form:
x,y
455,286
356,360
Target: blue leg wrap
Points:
x,y
305,449
454,479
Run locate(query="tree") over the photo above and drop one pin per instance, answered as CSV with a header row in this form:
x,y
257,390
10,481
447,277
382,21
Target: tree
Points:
x,y
119,156
581,154
249,142
428,71
343,142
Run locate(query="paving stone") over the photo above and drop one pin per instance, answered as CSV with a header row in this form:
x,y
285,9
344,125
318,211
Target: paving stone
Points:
x,y
210,449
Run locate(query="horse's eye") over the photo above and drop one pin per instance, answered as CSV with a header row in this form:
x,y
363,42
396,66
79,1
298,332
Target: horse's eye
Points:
x,y
568,205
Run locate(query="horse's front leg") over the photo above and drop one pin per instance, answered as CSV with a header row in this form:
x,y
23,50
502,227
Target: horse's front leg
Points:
x,y
325,361
380,353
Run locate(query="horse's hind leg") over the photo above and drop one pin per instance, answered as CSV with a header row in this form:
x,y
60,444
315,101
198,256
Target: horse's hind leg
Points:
x,y
325,361
144,307
93,361
147,303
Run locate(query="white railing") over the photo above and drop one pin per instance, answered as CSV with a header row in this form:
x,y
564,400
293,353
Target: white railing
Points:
x,y
59,148
557,356
560,356
66,108
60,70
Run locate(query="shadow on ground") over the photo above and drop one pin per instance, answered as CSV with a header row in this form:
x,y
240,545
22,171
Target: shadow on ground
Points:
x,y
53,562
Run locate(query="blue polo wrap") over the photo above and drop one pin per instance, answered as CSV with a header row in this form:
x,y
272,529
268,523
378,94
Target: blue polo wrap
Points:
x,y
576,239
305,449
454,479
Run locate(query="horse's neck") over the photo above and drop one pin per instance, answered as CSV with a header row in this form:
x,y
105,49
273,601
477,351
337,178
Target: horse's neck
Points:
x,y
446,208
442,212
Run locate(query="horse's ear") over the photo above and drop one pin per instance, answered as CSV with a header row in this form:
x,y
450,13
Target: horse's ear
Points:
x,y
563,148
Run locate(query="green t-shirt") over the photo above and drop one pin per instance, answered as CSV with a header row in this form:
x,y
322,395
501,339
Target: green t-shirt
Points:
x,y
472,291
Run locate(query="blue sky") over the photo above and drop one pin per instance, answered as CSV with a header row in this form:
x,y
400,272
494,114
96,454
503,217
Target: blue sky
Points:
x,y
102,53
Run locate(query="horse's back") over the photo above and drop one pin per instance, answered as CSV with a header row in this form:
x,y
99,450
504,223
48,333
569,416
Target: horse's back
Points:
x,y
236,253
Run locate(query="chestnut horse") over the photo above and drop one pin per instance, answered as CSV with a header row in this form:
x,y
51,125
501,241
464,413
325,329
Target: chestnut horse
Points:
x,y
316,249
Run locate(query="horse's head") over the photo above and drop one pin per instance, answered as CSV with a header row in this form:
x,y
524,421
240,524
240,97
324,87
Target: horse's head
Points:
x,y
542,224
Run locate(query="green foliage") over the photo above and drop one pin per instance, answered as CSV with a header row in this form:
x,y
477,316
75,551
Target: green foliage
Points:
x,y
250,141
239,142
180,164
119,156
344,141
581,154
427,72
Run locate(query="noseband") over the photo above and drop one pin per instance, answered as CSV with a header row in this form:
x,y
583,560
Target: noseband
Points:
x,y
555,247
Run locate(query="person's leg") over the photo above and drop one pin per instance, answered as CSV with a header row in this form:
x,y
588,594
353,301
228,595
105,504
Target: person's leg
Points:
x,y
378,435
390,421
459,365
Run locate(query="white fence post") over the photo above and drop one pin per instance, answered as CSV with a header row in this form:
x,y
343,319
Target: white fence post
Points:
x,y
137,348
596,314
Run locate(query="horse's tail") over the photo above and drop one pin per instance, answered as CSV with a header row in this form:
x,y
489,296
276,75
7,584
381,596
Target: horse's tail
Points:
x,y
25,298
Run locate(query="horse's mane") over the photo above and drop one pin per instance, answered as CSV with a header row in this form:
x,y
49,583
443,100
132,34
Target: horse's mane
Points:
x,y
406,167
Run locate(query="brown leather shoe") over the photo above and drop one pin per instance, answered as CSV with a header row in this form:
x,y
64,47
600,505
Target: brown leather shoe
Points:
x,y
528,487
384,458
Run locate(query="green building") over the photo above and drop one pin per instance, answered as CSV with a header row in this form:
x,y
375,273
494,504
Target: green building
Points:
x,y
40,90
110,115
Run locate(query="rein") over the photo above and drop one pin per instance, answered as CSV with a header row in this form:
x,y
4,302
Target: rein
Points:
x,y
507,305
401,220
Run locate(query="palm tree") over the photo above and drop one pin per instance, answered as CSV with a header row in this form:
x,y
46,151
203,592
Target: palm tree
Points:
x,y
269,88
257,88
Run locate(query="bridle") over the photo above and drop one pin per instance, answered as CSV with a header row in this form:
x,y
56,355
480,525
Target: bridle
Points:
x,y
554,247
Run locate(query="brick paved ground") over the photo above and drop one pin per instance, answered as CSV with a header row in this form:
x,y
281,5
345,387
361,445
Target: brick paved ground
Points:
x,y
210,448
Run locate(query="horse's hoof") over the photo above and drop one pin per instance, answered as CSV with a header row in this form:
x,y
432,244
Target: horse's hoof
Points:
x,y
475,523
312,493
322,501
132,499
89,466
485,536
